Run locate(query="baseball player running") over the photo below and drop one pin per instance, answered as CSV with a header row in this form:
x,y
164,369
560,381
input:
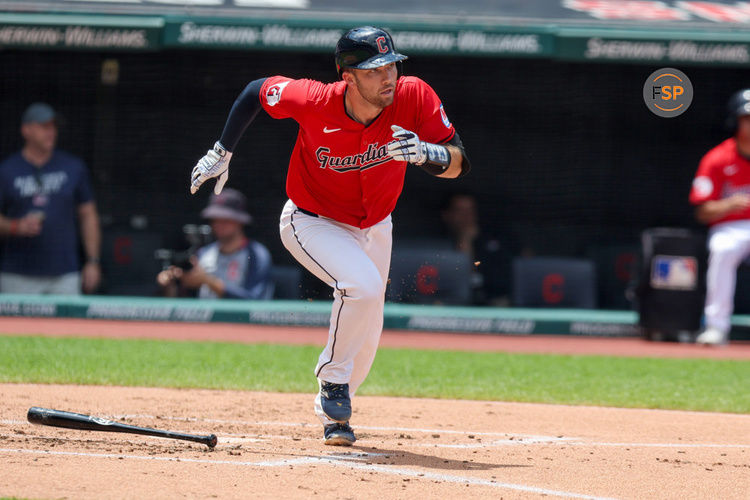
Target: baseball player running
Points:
x,y
356,138
721,191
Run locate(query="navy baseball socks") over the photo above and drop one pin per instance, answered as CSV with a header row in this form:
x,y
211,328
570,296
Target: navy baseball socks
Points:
x,y
335,402
339,434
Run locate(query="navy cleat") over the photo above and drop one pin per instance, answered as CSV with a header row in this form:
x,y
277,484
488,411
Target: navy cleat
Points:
x,y
339,435
335,402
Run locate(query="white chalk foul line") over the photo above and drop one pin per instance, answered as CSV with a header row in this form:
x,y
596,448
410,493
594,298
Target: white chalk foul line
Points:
x,y
317,426
659,445
266,438
514,439
337,460
13,422
269,438
497,443
462,480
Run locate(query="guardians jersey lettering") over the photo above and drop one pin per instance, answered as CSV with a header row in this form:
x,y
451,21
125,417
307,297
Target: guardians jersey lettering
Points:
x,y
375,155
339,168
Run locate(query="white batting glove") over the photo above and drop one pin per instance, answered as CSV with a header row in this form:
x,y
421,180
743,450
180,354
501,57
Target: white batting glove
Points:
x,y
214,164
407,146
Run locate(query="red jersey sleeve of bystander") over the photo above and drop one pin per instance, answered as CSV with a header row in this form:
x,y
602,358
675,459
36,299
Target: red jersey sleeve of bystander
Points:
x,y
708,179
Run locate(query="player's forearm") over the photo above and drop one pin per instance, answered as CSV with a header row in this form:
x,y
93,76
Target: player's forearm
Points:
x,y
7,226
459,165
456,167
243,112
713,210
91,235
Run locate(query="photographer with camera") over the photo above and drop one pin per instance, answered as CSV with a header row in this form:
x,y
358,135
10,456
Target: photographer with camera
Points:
x,y
233,266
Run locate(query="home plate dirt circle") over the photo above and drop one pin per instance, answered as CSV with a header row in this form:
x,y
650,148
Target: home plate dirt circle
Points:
x,y
270,446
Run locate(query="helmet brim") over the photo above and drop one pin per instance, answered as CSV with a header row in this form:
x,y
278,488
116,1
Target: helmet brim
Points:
x,y
378,61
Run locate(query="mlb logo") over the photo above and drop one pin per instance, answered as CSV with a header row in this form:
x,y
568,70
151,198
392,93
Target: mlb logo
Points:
x,y
670,272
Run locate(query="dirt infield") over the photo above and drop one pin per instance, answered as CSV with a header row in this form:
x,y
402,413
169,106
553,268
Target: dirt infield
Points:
x,y
270,446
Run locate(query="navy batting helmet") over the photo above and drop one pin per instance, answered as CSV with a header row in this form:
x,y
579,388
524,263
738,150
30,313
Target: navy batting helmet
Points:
x,y
738,105
366,47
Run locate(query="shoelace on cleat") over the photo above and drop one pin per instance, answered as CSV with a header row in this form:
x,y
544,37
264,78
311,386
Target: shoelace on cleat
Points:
x,y
338,427
336,391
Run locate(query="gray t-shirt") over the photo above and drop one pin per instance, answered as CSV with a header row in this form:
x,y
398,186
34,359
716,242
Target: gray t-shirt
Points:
x,y
246,273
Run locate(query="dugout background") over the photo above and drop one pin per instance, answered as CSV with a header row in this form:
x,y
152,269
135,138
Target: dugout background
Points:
x,y
566,157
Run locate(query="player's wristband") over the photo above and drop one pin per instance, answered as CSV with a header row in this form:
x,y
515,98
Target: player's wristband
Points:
x,y
220,149
13,227
438,158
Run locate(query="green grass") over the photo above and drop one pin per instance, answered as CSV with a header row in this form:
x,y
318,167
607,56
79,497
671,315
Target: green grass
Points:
x,y
691,384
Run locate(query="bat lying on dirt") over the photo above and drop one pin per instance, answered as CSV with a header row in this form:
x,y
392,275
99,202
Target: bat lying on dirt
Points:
x,y
69,420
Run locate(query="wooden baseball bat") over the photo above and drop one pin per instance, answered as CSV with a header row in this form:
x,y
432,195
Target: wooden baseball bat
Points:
x,y
70,420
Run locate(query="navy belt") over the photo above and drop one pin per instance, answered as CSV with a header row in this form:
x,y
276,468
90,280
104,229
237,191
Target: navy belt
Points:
x,y
307,212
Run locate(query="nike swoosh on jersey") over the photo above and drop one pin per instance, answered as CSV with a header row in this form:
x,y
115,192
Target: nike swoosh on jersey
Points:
x,y
327,130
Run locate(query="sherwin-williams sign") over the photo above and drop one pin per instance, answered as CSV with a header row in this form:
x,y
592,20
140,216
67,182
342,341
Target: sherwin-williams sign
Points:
x,y
198,33
645,47
139,33
80,32
224,35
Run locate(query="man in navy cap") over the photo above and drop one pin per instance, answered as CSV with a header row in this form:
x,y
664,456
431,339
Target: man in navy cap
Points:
x,y
233,266
46,204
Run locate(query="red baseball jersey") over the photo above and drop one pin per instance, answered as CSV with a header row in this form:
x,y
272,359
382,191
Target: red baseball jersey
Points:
x,y
340,168
722,172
